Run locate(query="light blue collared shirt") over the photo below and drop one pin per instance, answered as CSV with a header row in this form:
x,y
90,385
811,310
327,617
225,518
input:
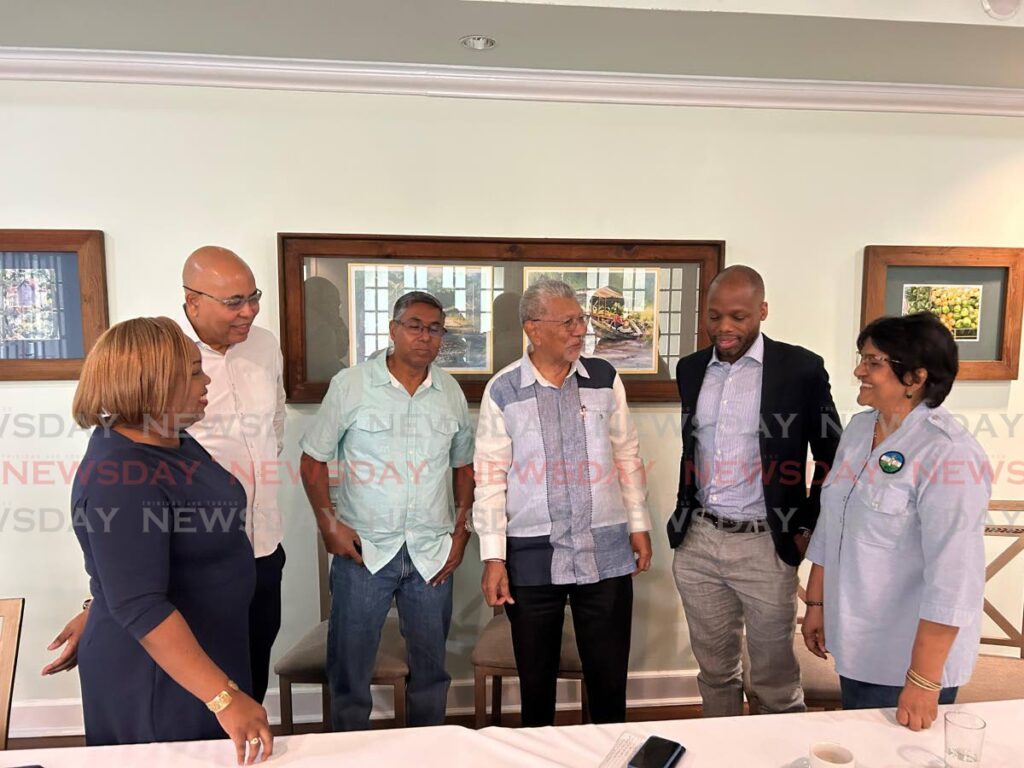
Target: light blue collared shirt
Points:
x,y
727,430
903,545
394,452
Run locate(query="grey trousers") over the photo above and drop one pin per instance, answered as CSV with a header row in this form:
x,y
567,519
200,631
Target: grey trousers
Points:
x,y
728,580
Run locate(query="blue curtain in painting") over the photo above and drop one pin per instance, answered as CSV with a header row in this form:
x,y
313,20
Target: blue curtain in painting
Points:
x,y
63,310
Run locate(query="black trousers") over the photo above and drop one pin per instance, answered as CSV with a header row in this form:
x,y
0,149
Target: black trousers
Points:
x,y
265,618
602,615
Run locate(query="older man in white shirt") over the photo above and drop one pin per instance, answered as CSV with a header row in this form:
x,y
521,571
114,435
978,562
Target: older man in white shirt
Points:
x,y
561,507
243,430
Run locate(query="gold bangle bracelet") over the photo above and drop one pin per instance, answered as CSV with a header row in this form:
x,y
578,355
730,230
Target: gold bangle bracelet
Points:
x,y
222,700
922,682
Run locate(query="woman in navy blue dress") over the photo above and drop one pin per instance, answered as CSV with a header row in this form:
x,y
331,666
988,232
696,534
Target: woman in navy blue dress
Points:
x,y
165,652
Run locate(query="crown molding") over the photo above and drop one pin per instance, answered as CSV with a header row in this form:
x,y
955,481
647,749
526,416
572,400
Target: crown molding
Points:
x,y
66,65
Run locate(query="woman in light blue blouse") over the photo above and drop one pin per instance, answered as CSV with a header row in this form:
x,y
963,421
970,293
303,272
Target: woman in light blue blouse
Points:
x,y
896,589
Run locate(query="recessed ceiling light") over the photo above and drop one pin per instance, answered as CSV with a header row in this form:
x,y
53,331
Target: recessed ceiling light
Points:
x,y
477,42
1001,9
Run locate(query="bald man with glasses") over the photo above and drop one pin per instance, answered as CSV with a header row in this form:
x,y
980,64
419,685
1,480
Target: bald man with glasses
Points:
x,y
243,428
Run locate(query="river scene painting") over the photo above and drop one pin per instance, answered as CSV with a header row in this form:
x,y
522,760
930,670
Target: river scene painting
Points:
x,y
622,303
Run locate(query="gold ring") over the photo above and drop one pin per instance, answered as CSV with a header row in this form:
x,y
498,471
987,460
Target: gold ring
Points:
x,y
255,740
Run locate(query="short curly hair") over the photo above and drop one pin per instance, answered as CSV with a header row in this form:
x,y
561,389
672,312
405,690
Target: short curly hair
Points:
x,y
917,341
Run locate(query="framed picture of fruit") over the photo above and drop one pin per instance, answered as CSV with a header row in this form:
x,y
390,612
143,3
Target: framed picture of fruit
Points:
x,y
957,306
338,294
977,293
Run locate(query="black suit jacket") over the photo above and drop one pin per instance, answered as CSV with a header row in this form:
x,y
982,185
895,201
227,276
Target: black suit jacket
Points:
x,y
796,412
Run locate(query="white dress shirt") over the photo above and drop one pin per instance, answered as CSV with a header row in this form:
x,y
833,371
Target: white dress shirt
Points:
x,y
243,428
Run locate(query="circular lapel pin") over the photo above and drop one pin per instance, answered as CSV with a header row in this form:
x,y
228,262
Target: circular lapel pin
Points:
x,y
891,462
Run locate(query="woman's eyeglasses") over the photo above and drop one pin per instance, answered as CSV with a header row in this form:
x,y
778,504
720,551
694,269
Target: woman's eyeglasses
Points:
x,y
873,362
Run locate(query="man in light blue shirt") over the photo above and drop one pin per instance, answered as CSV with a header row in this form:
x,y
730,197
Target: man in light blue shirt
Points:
x,y
727,429
395,424
751,408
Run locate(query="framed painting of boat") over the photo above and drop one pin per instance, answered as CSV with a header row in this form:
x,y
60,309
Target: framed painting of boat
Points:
x,y
338,293
622,305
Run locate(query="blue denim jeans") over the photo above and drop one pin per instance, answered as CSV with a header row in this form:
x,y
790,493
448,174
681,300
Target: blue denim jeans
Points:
x,y
858,695
360,602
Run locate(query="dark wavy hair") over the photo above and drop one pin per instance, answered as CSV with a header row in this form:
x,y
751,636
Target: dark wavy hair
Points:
x,y
917,341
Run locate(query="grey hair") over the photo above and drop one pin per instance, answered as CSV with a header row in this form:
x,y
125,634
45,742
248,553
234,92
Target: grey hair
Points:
x,y
415,297
531,306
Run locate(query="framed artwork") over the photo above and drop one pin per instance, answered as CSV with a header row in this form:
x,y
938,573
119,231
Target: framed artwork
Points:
x,y
623,306
957,306
53,301
977,293
465,291
338,294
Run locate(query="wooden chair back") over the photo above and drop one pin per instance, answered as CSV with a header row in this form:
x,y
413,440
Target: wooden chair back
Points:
x,y
11,613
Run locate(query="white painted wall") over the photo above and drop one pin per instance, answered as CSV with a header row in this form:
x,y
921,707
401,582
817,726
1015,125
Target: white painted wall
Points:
x,y
162,170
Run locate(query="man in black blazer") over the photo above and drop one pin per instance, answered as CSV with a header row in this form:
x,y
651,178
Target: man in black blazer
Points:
x,y
751,406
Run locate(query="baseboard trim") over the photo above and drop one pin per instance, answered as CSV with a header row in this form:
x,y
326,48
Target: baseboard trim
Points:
x,y
39,718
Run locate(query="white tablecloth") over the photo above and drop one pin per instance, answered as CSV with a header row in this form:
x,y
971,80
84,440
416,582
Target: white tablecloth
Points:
x,y
771,741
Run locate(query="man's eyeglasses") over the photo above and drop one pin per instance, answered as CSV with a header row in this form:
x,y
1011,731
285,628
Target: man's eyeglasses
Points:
x,y
232,302
415,327
873,362
568,324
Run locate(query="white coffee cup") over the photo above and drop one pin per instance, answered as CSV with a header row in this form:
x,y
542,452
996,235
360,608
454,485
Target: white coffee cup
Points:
x,y
827,755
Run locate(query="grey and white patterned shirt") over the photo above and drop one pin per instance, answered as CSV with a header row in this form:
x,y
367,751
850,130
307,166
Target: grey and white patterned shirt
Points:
x,y
560,484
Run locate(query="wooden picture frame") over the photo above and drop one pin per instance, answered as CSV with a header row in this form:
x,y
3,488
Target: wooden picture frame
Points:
x,y
958,264
62,293
294,249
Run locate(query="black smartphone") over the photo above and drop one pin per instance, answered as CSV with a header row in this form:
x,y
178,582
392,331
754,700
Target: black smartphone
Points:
x,y
657,752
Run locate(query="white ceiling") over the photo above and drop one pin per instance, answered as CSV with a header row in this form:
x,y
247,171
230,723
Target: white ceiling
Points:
x,y
943,11
961,46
